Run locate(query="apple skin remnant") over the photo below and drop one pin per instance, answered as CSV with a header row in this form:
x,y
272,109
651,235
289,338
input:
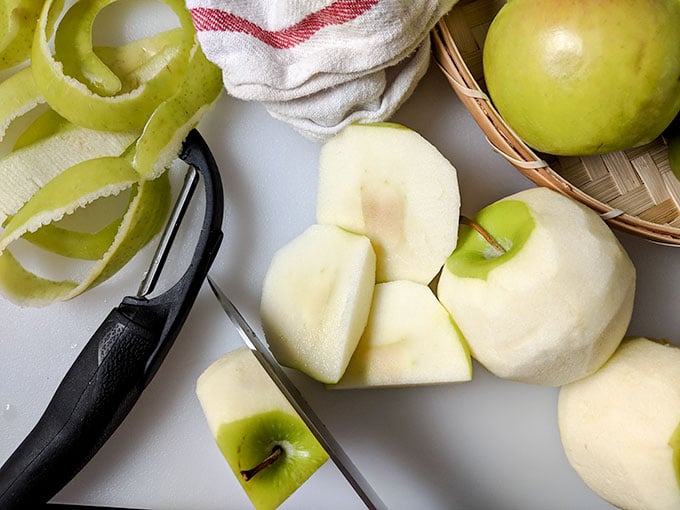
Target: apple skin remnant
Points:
x,y
250,419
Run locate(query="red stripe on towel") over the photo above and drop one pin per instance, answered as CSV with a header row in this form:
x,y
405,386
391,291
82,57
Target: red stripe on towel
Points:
x,y
337,13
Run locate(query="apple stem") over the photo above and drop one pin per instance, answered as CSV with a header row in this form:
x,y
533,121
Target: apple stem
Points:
x,y
482,232
277,451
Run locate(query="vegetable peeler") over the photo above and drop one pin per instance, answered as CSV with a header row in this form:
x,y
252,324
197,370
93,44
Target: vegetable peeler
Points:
x,y
121,357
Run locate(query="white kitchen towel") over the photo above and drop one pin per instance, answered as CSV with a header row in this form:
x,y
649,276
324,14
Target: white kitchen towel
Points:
x,y
316,63
374,97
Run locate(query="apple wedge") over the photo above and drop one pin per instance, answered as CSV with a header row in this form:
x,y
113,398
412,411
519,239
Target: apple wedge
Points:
x,y
620,427
548,297
387,182
267,445
315,301
410,339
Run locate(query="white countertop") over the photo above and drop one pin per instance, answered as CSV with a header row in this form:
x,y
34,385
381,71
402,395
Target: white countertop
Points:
x,y
487,444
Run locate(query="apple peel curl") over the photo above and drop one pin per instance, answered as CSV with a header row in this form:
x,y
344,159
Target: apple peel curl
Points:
x,y
142,220
124,111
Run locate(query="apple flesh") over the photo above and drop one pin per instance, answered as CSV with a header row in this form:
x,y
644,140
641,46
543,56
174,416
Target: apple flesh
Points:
x,y
315,300
387,182
410,339
620,427
267,445
554,304
585,76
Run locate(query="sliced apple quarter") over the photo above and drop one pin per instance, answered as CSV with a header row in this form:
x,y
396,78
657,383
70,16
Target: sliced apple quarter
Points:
x,y
267,445
387,182
410,339
620,427
315,301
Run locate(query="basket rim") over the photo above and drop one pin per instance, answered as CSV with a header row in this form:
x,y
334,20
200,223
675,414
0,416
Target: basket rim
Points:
x,y
503,140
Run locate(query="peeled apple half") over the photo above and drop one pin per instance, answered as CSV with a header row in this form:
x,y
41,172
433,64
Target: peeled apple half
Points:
x,y
104,120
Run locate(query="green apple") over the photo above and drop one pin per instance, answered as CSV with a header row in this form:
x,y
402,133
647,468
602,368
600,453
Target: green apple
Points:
x,y
267,445
410,339
553,301
316,298
585,76
387,182
620,427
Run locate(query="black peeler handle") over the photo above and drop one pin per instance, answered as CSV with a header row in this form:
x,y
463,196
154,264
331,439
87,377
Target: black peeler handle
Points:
x,y
118,362
94,397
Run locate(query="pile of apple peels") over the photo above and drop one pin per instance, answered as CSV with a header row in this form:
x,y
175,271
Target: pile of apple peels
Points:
x,y
91,123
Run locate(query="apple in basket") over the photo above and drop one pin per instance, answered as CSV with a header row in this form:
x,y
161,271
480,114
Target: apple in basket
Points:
x,y
620,427
585,76
541,288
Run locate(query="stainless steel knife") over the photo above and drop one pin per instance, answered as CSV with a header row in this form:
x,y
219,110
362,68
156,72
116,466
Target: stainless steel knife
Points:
x,y
316,426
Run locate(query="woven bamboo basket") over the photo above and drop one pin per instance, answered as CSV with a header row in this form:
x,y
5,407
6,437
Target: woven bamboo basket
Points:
x,y
634,190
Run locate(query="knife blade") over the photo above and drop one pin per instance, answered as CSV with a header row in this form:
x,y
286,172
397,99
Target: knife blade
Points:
x,y
336,453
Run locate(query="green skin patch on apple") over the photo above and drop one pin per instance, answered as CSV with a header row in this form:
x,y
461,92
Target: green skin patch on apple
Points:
x,y
509,223
675,444
265,442
277,443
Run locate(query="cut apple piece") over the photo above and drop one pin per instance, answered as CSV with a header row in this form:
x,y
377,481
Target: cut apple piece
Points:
x,y
410,339
387,182
316,297
619,427
552,303
267,445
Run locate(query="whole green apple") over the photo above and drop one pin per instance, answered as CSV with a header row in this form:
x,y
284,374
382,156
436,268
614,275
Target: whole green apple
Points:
x,y
585,77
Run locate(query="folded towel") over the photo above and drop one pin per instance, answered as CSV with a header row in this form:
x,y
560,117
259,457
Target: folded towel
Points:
x,y
319,64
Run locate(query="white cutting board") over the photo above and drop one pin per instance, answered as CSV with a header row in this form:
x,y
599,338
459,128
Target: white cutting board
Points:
x,y
487,444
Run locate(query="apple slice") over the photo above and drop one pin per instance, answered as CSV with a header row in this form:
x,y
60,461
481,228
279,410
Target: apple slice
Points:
x,y
410,339
387,182
553,301
267,445
620,427
316,297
